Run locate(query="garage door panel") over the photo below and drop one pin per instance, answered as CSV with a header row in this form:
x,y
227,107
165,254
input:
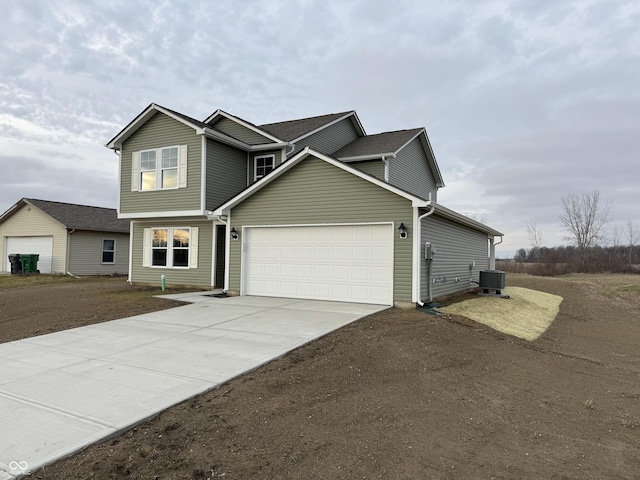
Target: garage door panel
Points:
x,y
322,271
341,262
42,246
287,252
288,270
360,272
380,274
341,272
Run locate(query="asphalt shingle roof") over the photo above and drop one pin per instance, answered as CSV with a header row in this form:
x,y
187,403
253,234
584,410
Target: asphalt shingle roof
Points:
x,y
386,142
83,217
293,129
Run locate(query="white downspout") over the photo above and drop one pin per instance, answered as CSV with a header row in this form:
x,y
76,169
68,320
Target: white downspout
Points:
x,y
492,253
417,235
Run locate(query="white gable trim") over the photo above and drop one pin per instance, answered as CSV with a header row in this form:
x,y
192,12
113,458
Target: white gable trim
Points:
x,y
353,114
221,113
283,168
141,119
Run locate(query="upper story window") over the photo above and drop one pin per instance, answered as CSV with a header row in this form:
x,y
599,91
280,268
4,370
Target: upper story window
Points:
x,y
108,251
159,169
264,164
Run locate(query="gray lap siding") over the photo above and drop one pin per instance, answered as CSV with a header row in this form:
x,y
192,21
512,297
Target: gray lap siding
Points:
x,y
410,171
457,248
329,139
85,253
162,131
315,192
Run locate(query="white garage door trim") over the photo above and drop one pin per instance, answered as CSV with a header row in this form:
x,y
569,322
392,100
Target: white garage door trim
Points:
x,y
43,246
341,262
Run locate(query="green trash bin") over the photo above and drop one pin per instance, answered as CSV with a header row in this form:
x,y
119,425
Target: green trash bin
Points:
x,y
29,262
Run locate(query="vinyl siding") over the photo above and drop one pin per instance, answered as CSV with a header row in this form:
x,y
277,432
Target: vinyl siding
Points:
x,y
330,139
239,132
200,276
85,253
372,167
457,247
162,131
226,173
315,192
410,171
32,222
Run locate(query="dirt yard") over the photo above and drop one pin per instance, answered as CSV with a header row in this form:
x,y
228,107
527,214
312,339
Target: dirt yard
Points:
x,y
397,395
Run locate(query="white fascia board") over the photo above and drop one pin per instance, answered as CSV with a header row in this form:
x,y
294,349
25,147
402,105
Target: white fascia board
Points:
x,y
12,209
456,217
435,162
352,113
221,113
141,119
269,146
372,156
221,137
225,208
177,213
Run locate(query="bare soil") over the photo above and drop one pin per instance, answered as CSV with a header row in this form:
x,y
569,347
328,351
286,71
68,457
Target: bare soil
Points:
x,y
397,395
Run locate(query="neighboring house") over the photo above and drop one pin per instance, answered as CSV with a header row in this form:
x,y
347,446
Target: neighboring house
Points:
x,y
69,238
310,208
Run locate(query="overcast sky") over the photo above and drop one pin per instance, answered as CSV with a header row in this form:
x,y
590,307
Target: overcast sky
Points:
x,y
523,101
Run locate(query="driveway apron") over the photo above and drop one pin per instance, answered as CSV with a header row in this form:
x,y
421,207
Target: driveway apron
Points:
x,y
64,391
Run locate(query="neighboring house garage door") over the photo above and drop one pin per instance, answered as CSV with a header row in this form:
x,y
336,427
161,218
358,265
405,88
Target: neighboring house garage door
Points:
x,y
43,246
352,263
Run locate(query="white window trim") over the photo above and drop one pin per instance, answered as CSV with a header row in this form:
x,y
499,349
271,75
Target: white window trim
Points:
x,y
103,250
180,168
255,165
192,250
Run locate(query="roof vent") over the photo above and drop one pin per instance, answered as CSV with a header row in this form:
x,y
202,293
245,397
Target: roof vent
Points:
x,y
492,280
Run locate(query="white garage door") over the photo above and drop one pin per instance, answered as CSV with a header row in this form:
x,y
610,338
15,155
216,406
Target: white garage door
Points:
x,y
351,263
42,246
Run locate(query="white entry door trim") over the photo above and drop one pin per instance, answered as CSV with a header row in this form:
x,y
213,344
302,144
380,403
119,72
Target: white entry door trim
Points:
x,y
350,262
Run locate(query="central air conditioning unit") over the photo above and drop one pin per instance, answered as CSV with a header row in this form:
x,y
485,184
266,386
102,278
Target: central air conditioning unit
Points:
x,y
492,280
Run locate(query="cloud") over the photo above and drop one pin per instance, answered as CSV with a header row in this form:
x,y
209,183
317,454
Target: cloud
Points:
x,y
524,101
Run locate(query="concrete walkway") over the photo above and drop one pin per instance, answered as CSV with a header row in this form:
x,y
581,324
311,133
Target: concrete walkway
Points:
x,y
64,391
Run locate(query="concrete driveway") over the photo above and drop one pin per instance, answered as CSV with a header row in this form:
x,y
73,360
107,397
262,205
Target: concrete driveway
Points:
x,y
64,391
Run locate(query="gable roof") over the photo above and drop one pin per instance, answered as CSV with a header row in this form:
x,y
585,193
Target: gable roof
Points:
x,y
145,115
215,116
415,201
292,130
73,216
380,144
289,164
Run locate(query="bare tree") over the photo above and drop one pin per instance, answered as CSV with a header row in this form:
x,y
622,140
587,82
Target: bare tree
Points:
x,y
535,239
584,217
632,235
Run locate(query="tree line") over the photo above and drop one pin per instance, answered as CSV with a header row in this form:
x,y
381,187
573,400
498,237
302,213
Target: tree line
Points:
x,y
593,248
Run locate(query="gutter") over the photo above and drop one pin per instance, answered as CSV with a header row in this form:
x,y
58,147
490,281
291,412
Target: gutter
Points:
x,y
417,235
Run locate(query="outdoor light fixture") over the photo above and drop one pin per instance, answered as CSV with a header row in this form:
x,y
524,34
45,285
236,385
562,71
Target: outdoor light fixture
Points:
x,y
403,231
234,233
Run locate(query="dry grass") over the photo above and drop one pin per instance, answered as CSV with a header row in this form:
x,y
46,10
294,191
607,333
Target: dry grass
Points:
x,y
526,314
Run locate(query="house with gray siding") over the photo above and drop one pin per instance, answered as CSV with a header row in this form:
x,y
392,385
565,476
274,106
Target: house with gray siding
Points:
x,y
68,238
308,208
